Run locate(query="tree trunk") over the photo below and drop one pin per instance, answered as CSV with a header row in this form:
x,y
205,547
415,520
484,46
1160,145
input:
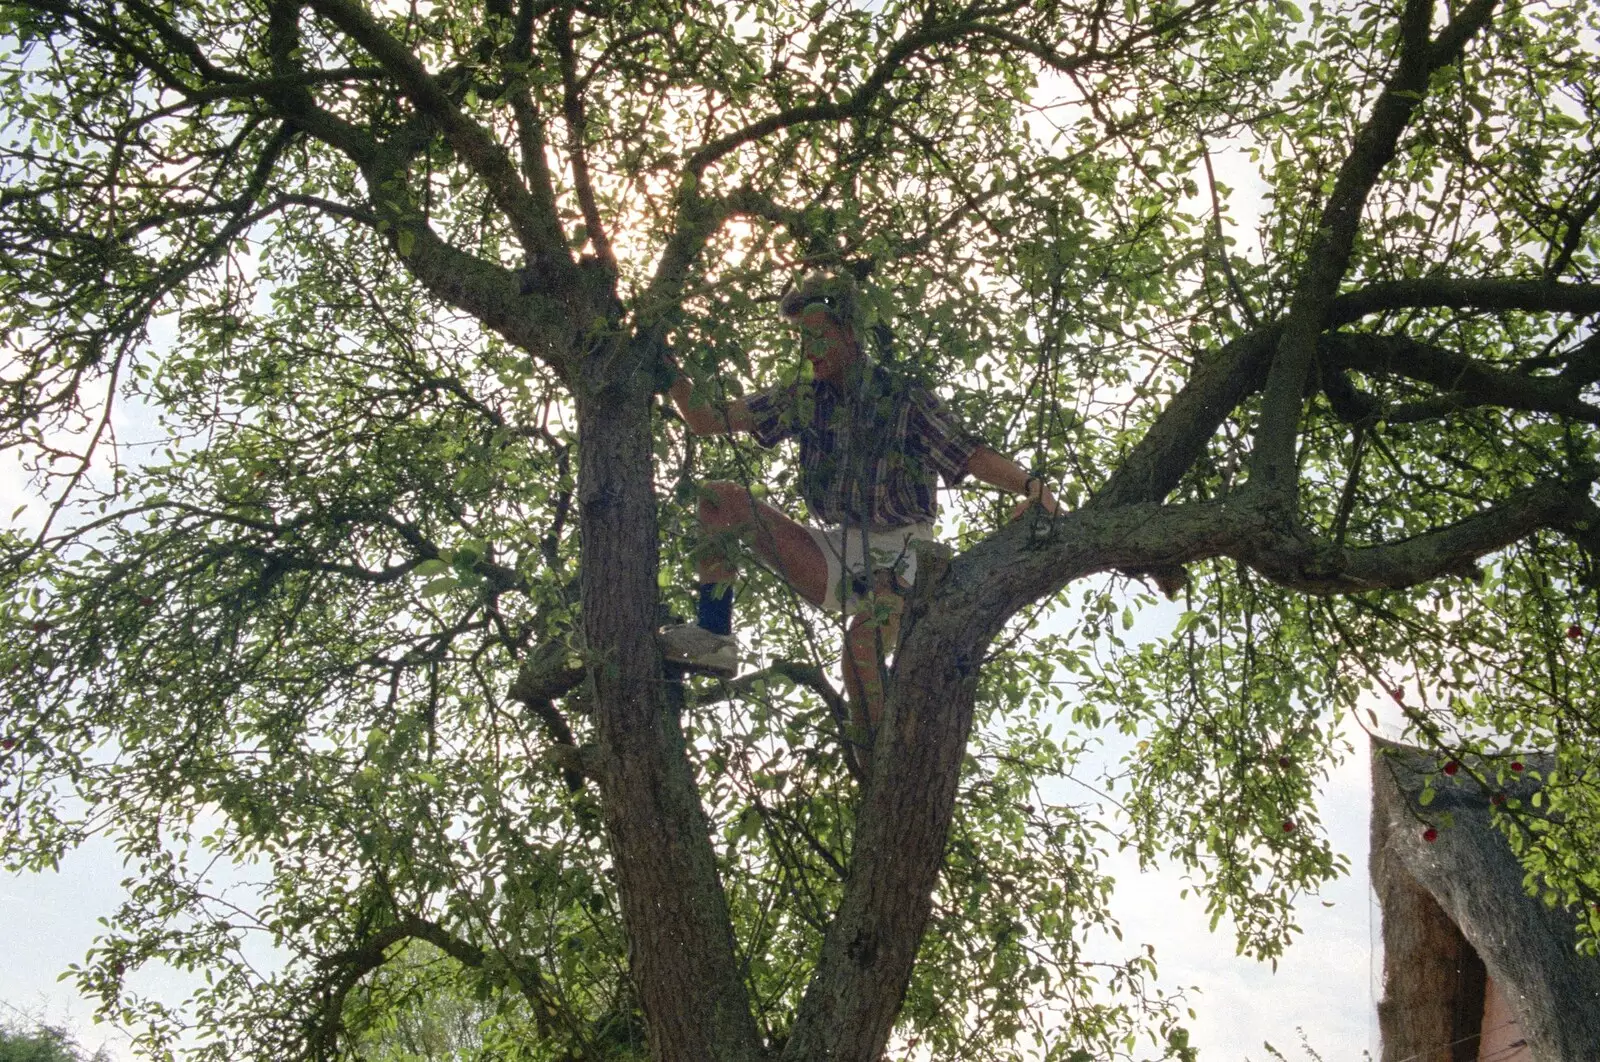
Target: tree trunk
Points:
x,y
855,995
673,906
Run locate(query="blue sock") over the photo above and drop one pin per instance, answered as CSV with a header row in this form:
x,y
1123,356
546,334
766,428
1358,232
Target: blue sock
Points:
x,y
715,611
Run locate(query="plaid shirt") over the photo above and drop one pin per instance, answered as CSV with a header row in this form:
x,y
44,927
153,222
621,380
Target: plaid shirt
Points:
x,y
869,457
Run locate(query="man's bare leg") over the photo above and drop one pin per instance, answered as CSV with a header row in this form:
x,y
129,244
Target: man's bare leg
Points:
x,y
868,641
788,548
782,543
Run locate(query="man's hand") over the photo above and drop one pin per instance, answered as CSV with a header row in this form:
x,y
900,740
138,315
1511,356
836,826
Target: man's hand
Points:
x,y
1037,493
998,471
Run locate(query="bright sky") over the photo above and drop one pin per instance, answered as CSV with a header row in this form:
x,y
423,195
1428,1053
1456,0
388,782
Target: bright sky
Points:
x,y
1327,984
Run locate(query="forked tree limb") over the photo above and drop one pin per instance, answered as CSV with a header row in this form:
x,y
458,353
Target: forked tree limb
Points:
x,y
1497,294
537,228
575,110
1219,383
343,970
1466,381
1273,465
905,814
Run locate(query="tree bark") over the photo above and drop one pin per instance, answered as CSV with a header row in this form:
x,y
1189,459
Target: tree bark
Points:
x,y
861,978
955,611
680,935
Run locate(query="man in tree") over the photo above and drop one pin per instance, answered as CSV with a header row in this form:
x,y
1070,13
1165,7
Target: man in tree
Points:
x,y
871,445
396,278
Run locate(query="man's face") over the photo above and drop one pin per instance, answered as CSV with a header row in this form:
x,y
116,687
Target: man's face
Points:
x,y
825,342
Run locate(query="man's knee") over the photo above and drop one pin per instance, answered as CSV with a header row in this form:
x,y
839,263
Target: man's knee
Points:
x,y
723,504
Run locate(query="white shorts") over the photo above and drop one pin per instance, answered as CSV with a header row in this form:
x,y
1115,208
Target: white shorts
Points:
x,y
849,579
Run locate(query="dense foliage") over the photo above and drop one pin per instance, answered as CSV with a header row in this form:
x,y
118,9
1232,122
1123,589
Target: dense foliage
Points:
x,y
34,1041
334,334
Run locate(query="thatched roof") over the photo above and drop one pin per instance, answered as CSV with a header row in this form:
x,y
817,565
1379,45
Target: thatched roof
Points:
x,y
1454,912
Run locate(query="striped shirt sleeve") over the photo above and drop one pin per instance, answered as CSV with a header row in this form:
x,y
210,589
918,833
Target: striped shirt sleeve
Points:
x,y
772,415
948,446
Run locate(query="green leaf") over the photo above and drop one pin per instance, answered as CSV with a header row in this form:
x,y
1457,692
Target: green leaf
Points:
x,y
748,826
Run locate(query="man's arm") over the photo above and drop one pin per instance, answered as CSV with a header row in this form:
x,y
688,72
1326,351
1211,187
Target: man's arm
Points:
x,y
998,471
706,418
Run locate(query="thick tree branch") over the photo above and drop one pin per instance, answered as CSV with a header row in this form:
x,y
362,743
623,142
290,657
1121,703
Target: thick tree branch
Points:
x,y
347,967
1021,565
543,677
1153,468
538,230
577,137
855,105
1180,432
750,203
697,219
266,86
490,292
1576,222
1298,560
180,42
682,953
1318,567
530,128
1529,296
1273,467
1466,381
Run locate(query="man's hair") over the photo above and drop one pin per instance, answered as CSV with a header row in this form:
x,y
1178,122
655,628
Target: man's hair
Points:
x,y
835,292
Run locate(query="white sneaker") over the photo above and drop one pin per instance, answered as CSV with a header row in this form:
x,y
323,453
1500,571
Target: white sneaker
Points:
x,y
694,646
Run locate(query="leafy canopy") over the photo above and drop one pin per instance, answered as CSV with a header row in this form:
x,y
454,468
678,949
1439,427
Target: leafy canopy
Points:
x,y
303,303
